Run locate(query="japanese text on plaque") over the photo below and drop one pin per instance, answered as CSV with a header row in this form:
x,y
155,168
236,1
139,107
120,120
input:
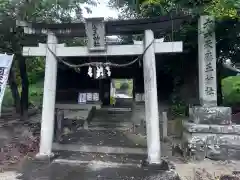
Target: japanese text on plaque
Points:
x,y
96,37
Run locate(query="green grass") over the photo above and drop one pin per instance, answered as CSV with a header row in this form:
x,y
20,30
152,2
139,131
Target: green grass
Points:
x,y
35,95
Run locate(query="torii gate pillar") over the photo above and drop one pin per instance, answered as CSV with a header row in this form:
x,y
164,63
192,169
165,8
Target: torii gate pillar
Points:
x,y
49,96
151,100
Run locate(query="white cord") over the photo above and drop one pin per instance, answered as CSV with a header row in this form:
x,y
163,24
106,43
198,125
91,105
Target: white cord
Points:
x,y
100,63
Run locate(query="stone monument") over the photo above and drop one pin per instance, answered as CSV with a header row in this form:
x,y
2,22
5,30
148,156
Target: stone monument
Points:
x,y
209,131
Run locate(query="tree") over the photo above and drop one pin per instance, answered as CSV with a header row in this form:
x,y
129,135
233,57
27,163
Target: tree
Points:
x,y
218,8
35,11
227,27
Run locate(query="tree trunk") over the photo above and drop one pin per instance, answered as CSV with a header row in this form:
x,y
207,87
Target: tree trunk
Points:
x,y
14,90
17,36
25,86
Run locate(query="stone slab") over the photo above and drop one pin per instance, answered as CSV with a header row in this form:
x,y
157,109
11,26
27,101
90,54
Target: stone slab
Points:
x,y
111,137
110,125
209,138
76,115
66,106
211,115
211,128
214,146
98,149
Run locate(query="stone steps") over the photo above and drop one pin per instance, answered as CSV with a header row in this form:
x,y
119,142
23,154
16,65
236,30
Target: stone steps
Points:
x,y
114,116
99,149
111,137
111,119
83,157
211,128
106,133
110,124
105,128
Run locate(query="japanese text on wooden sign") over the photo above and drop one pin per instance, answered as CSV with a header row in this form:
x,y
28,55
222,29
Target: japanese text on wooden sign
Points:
x,y
95,31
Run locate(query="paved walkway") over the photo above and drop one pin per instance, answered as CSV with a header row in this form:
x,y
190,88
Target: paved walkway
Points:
x,y
96,170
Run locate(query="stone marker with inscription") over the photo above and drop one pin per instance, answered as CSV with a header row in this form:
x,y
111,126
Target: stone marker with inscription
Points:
x,y
207,62
209,130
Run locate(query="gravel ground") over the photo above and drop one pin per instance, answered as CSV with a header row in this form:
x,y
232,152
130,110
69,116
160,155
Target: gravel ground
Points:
x,y
10,175
16,143
187,171
207,168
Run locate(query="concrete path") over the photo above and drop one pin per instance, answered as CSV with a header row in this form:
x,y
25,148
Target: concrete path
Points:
x,y
90,171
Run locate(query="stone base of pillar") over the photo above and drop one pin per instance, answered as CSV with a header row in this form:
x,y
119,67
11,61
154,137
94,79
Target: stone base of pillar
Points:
x,y
162,166
209,132
45,157
217,115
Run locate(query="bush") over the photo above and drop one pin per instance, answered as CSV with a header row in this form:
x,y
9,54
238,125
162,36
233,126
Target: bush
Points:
x,y
35,95
231,90
178,107
178,110
124,86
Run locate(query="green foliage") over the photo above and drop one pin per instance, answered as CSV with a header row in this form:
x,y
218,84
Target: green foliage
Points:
x,y
11,37
35,95
225,12
217,8
178,110
227,27
222,8
231,90
35,69
50,10
128,83
178,107
124,86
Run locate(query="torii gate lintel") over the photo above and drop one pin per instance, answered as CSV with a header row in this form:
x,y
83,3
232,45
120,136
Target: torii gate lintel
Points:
x,y
112,50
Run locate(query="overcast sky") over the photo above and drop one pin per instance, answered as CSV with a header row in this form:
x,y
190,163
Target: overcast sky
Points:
x,y
102,10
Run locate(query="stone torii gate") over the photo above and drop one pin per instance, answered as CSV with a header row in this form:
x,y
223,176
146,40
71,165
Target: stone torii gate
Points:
x,y
55,31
